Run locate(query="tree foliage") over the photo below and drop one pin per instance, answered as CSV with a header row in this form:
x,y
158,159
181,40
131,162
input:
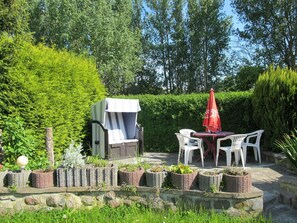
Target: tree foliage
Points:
x,y
14,17
209,37
100,28
247,77
184,43
271,25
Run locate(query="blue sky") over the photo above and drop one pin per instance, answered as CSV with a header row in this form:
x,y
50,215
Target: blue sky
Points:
x,y
229,11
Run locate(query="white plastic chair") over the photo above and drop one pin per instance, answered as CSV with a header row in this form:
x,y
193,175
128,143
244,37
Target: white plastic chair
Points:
x,y
188,148
187,132
235,146
253,140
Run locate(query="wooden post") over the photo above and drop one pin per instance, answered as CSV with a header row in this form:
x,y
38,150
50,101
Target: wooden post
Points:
x,y
50,146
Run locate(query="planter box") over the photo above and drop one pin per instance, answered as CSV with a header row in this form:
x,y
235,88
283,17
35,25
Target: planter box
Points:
x,y
18,179
3,178
42,179
135,178
184,181
155,179
88,176
238,184
209,181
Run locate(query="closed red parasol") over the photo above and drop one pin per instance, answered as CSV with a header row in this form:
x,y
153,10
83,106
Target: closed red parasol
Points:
x,y
212,120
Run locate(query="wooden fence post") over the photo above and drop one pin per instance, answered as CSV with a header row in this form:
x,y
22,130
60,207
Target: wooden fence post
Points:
x,y
50,146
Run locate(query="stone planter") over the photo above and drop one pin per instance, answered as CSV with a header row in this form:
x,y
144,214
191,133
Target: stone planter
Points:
x,y
155,179
88,176
135,178
42,179
238,184
3,178
184,181
19,178
210,181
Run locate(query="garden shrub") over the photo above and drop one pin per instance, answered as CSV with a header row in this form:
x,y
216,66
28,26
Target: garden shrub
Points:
x,y
163,115
21,141
275,103
288,145
48,88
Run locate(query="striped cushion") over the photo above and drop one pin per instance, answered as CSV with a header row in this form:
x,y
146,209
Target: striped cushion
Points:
x,y
116,127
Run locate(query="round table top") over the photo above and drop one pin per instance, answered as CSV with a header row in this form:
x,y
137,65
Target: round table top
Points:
x,y
211,134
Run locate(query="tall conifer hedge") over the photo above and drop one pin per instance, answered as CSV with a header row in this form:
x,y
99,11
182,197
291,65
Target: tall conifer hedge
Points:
x,y
47,88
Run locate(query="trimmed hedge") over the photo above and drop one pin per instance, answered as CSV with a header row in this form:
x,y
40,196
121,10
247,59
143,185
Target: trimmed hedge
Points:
x,y
163,115
275,103
48,88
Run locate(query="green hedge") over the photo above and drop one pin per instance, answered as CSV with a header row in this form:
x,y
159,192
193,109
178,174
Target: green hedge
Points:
x,y
163,115
47,88
275,103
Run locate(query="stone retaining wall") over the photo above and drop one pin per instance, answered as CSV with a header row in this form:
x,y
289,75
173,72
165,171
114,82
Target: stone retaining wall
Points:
x,y
33,199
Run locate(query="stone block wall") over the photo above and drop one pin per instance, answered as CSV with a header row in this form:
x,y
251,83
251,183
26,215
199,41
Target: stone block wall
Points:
x,y
32,199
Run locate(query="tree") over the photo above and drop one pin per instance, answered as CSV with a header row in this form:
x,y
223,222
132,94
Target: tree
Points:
x,y
272,26
209,32
14,17
100,28
158,30
180,49
247,77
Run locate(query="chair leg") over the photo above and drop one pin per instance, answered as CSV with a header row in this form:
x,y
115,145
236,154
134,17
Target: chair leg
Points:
x,y
236,157
190,156
242,160
259,154
178,156
202,158
244,148
186,157
217,156
228,156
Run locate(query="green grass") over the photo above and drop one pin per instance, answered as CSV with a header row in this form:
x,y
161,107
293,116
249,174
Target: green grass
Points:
x,y
126,214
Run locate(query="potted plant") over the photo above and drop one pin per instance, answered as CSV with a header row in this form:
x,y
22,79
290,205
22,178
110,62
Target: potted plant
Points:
x,y
155,176
210,181
237,180
19,177
184,177
42,178
133,174
76,171
100,172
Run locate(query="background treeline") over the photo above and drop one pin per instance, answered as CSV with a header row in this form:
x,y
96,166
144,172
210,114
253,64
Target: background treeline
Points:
x,y
170,46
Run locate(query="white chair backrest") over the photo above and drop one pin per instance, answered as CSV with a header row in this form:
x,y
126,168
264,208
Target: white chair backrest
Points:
x,y
237,141
181,140
257,134
186,132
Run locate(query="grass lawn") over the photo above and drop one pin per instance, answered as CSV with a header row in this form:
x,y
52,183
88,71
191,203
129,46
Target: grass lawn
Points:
x,y
126,215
